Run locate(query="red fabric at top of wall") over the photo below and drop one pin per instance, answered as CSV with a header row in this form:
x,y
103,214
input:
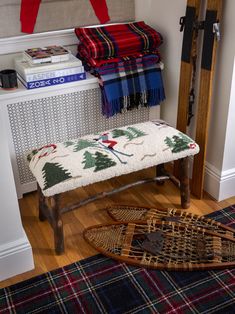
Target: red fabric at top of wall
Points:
x,y
101,10
29,12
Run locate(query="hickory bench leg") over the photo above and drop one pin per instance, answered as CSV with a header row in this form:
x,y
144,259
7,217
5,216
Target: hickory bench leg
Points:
x,y
49,209
184,182
42,206
57,224
160,171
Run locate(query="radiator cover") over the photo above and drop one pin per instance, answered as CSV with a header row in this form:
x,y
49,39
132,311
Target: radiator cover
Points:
x,y
56,118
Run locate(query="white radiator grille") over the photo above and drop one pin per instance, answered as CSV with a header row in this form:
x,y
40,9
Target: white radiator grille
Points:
x,y
58,118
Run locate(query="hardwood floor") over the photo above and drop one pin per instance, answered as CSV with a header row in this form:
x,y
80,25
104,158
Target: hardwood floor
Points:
x,y
40,233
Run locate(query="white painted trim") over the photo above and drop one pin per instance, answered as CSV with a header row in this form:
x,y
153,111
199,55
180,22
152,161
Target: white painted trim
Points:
x,y
220,185
28,187
21,93
65,37
19,43
227,184
12,247
11,150
228,174
212,181
15,258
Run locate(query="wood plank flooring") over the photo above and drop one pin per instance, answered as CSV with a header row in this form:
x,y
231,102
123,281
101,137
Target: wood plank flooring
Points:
x,y
40,233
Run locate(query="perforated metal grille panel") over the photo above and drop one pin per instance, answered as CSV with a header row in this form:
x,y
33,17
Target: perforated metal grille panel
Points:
x,y
54,119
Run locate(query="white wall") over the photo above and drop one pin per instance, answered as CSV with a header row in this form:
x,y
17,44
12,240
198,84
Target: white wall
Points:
x,y
222,91
164,15
15,250
229,149
227,185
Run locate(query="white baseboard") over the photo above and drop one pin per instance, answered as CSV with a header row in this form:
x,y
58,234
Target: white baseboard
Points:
x,y
15,258
220,185
27,188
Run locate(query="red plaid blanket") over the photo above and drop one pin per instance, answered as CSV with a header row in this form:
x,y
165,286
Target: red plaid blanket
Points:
x,y
118,40
97,63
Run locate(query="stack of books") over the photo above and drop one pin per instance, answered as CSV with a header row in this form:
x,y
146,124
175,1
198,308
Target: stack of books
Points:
x,y
42,67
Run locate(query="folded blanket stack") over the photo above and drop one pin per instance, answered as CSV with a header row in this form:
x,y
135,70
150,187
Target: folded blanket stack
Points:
x,y
125,59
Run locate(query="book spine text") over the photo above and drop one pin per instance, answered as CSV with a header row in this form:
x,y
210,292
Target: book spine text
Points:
x,y
51,74
53,81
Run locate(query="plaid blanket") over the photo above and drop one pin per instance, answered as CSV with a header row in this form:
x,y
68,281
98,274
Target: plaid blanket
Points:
x,y
104,66
132,82
132,88
101,285
97,63
118,40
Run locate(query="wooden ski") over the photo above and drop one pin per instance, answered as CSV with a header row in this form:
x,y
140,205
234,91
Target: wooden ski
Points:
x,y
188,49
213,15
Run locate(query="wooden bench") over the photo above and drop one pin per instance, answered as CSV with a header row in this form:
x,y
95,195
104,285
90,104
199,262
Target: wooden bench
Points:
x,y
61,167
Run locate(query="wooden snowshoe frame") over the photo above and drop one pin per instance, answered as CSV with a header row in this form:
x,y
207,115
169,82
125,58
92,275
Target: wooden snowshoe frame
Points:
x,y
184,248
128,213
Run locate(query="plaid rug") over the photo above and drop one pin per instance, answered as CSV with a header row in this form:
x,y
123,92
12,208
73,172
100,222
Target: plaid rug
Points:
x,y
101,285
118,40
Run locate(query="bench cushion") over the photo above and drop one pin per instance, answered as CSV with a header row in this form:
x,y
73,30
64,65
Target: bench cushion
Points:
x,y
92,158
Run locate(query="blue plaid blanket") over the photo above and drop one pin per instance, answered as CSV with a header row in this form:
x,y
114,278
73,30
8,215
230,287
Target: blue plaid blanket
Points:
x,y
101,285
131,87
129,83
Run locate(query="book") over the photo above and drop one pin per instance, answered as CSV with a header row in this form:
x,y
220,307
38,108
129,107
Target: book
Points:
x,y
49,54
23,66
53,81
51,74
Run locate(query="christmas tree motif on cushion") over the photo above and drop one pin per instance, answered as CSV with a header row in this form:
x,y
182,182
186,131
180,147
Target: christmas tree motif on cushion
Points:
x,y
179,143
69,143
136,132
82,144
89,160
130,133
97,157
102,161
54,173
